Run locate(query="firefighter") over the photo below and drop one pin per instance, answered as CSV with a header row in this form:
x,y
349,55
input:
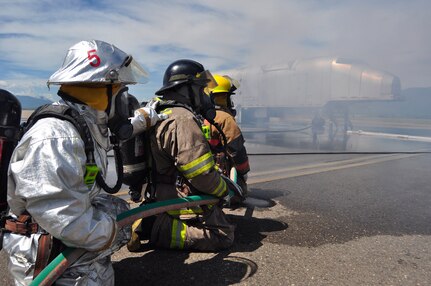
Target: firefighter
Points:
x,y
225,118
53,200
317,128
184,165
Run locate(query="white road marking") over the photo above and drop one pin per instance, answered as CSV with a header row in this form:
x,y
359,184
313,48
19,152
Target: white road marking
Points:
x,y
297,171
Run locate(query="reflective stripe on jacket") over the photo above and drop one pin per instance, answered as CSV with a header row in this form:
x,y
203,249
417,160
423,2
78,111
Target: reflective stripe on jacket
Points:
x,y
178,237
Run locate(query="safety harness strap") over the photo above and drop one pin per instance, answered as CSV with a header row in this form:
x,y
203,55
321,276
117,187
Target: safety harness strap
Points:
x,y
43,253
67,113
22,225
64,112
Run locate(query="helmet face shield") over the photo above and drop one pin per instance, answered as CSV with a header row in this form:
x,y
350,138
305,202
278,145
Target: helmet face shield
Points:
x,y
206,79
132,72
97,62
235,83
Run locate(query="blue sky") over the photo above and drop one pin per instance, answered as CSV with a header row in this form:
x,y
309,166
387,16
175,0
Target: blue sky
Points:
x,y
389,35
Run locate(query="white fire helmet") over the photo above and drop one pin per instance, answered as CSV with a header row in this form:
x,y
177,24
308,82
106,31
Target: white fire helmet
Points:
x,y
97,62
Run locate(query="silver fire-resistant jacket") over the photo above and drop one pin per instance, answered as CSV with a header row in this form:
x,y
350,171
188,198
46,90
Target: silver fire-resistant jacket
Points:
x,y
46,178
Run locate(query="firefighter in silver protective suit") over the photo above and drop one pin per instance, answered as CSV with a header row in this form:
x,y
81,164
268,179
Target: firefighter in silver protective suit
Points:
x,y
51,206
184,166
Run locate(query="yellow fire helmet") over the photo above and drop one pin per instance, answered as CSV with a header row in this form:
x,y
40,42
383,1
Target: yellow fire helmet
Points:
x,y
223,84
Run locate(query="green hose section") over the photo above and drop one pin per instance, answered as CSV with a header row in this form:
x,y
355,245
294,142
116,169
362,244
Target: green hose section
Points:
x,y
234,174
191,199
55,269
51,267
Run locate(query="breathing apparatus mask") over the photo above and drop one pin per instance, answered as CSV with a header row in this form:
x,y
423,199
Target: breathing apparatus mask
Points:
x,y
207,108
199,91
119,108
234,86
119,113
196,90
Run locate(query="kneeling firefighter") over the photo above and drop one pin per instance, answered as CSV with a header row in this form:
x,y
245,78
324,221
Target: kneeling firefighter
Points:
x,y
183,165
228,146
56,173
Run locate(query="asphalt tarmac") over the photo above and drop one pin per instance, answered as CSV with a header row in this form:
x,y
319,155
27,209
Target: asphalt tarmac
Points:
x,y
334,220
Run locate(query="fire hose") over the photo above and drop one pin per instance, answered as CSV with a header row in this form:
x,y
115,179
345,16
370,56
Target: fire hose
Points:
x,y
56,268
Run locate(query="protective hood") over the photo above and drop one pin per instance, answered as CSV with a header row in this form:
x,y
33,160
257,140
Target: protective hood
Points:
x,y
95,97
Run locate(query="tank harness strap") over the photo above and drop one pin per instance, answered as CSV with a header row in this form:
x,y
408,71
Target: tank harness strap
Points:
x,y
43,253
22,225
67,113
64,112
48,247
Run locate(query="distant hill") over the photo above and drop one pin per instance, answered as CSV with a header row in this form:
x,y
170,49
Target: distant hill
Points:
x,y
28,102
415,103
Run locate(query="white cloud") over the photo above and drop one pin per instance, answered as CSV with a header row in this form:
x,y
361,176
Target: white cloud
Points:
x,y
34,87
389,35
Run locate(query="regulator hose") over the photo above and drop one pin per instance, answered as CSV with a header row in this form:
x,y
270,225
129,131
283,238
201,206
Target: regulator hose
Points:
x,y
119,165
